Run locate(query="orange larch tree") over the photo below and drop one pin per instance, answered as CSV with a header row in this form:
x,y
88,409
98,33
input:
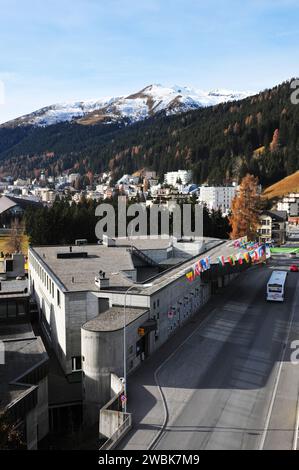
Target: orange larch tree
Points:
x,y
244,218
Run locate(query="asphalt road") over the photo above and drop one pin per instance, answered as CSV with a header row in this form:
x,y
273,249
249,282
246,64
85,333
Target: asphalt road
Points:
x,y
229,382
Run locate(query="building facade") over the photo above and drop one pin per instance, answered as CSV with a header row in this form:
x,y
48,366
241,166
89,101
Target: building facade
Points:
x,y
273,227
217,197
182,176
85,293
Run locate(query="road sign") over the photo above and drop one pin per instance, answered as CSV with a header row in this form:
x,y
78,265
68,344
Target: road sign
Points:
x,y
123,399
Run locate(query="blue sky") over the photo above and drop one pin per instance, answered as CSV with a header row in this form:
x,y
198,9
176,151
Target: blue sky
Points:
x,y
62,50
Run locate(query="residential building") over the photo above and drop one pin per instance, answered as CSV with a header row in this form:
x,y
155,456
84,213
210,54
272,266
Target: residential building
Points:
x,y
217,197
273,227
290,204
178,177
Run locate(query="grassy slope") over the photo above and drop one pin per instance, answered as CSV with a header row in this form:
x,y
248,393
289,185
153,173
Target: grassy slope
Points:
x,y
287,185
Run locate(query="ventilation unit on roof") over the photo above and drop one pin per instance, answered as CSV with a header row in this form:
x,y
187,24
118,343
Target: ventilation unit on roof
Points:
x,y
101,281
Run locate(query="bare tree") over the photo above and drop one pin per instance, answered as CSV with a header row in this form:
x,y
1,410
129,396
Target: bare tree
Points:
x,y
14,244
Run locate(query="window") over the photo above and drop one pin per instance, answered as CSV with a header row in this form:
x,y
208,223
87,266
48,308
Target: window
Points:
x,y
21,309
58,298
12,310
9,265
158,302
154,305
76,363
3,310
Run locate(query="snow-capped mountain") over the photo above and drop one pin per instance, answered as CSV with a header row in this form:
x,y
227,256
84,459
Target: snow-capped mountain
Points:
x,y
135,107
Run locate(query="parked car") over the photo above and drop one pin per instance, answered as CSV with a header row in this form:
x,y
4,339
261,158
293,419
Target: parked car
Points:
x,y
294,268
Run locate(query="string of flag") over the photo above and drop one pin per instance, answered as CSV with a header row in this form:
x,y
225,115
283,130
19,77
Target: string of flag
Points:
x,y
255,252
200,266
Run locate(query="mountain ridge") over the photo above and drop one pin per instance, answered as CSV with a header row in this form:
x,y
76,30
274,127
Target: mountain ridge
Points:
x,y
137,106
220,144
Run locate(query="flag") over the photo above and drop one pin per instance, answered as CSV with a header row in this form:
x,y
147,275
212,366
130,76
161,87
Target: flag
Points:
x,y
190,276
221,260
197,268
231,260
240,258
203,264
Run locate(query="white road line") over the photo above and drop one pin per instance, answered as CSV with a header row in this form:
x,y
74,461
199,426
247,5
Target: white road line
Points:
x,y
283,353
295,440
166,413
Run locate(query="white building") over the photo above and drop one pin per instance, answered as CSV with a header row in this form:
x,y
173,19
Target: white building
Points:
x,y
217,197
172,177
290,204
128,179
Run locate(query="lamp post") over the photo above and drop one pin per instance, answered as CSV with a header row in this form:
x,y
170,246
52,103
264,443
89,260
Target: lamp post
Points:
x,y
144,286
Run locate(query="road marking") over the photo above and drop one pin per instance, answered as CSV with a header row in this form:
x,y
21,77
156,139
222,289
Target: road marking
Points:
x,y
166,413
283,353
295,440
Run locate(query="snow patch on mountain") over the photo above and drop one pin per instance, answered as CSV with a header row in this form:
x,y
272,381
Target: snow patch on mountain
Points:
x,y
138,106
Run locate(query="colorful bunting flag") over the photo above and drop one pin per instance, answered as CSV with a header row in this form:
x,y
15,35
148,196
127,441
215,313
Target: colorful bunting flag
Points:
x,y
190,276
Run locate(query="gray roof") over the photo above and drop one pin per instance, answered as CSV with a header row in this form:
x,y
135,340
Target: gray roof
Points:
x,y
278,216
218,248
23,351
145,243
113,319
8,202
112,260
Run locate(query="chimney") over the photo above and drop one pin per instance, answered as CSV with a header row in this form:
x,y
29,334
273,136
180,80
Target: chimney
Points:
x,y
101,281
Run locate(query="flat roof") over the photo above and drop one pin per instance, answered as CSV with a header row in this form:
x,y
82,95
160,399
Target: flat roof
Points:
x,y
12,289
23,351
146,243
12,285
115,259
222,248
78,274
113,319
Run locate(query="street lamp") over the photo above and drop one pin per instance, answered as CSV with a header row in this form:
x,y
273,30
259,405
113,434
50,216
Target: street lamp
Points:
x,y
144,286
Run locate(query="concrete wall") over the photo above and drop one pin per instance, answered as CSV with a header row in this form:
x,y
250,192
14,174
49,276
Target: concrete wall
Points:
x,y
31,429
18,266
42,411
102,354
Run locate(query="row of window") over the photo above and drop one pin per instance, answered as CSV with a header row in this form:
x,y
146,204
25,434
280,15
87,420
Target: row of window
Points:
x,y
12,309
46,280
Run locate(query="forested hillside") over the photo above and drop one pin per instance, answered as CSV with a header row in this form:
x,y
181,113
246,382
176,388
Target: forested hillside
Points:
x,y
259,135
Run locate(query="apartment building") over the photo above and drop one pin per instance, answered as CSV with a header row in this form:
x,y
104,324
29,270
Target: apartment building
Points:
x,y
273,227
217,197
